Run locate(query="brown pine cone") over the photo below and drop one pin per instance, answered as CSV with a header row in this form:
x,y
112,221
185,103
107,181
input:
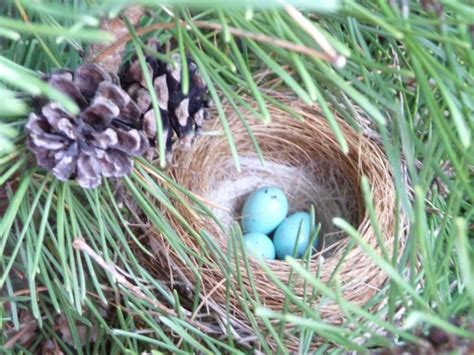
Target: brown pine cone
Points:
x,y
100,141
181,115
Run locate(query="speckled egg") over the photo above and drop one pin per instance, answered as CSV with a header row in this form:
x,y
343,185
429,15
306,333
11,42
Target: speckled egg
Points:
x,y
286,235
264,210
259,244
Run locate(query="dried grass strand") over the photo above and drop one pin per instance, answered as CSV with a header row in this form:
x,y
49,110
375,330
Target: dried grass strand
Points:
x,y
259,37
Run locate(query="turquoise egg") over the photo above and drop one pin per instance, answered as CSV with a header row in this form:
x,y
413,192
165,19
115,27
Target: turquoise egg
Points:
x,y
264,210
286,235
259,244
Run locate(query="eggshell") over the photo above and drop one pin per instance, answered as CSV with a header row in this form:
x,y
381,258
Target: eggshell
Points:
x,y
259,244
286,234
264,210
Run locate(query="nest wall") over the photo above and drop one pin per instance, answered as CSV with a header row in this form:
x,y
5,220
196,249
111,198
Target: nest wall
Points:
x,y
304,158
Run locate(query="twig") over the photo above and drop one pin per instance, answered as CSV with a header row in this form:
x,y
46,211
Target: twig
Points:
x,y
27,291
218,27
81,245
28,327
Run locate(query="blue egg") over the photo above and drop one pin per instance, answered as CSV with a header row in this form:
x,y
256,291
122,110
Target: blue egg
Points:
x,y
259,244
286,235
264,210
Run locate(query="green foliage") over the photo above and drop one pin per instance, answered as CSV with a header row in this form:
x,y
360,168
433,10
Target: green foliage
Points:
x,y
410,73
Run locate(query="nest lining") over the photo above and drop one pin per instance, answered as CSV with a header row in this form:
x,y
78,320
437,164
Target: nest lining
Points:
x,y
303,158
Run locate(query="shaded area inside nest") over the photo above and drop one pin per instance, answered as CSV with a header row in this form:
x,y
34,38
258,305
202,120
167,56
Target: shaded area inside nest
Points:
x,y
317,183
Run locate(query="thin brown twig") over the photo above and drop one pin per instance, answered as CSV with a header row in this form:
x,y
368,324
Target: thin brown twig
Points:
x,y
218,27
81,245
27,291
28,327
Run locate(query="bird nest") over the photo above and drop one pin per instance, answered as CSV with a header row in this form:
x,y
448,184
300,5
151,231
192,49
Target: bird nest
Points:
x,y
304,158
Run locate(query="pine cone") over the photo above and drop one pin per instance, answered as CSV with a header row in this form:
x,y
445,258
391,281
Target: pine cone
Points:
x,y
100,141
181,114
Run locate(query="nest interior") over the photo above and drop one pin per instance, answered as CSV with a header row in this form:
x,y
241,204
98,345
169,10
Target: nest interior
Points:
x,y
304,158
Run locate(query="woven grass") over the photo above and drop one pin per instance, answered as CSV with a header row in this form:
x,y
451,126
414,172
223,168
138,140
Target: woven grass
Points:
x,y
304,159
